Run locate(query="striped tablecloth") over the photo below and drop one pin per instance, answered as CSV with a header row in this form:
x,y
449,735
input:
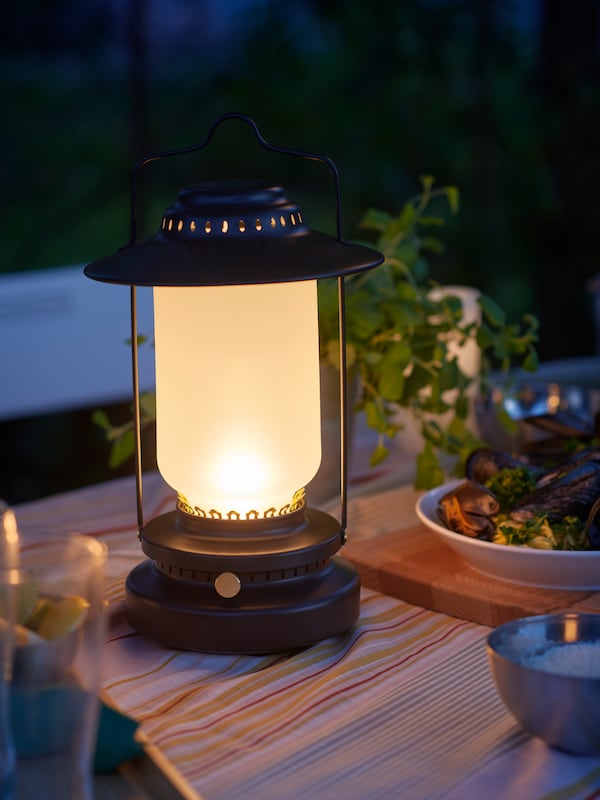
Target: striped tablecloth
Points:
x,y
403,706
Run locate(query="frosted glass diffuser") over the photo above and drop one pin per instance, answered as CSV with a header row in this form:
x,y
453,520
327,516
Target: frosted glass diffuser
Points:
x,y
237,393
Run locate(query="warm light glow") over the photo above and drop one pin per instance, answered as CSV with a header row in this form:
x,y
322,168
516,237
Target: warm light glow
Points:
x,y
237,392
553,398
9,539
238,469
571,630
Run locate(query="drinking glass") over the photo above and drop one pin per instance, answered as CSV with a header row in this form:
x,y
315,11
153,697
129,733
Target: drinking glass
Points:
x,y
54,584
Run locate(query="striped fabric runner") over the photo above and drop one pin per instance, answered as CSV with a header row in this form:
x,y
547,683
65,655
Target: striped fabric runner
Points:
x,y
403,706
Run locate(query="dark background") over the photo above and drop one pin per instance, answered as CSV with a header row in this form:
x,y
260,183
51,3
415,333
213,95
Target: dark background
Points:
x,y
499,98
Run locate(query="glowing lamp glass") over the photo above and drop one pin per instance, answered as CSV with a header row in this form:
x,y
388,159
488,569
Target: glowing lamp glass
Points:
x,y
237,394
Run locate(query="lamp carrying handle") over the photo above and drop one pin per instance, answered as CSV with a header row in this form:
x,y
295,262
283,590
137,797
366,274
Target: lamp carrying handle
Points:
x,y
341,305
260,139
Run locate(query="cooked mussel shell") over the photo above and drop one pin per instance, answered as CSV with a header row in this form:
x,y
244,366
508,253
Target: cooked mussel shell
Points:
x,y
571,494
468,509
567,465
484,462
592,527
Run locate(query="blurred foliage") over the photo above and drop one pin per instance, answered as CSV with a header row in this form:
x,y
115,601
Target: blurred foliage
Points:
x,y
461,89
405,335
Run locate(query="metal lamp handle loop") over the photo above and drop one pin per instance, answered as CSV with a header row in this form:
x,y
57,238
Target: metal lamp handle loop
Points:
x,y
341,301
263,143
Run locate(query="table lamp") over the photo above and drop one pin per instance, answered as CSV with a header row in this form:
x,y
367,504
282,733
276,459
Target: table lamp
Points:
x,y
242,564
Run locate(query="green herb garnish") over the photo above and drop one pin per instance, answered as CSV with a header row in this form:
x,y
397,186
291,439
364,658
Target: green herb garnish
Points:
x,y
541,533
510,485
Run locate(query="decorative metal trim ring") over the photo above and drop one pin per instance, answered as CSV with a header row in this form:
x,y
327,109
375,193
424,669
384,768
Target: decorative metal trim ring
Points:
x,y
246,578
297,503
274,223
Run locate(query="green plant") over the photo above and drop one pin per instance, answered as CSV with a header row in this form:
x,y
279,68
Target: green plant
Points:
x,y
402,339
121,437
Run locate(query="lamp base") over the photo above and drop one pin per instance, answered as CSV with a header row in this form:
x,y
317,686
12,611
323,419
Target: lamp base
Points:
x,y
284,615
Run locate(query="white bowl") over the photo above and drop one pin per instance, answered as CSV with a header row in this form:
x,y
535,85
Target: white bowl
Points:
x,y
549,569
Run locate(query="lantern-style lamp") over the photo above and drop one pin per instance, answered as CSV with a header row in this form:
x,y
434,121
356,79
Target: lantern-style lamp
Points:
x,y
241,565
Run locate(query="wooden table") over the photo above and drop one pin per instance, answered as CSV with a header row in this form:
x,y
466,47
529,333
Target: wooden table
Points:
x,y
402,706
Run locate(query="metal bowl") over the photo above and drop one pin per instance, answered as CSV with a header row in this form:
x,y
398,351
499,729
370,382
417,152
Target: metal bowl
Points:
x,y
547,672
538,409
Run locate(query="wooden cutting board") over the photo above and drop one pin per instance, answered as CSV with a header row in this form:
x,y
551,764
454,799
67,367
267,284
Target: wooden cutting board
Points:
x,y
413,565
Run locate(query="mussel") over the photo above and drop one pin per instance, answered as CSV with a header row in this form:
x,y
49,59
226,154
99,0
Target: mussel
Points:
x,y
562,426
571,488
468,509
592,528
572,493
567,465
484,462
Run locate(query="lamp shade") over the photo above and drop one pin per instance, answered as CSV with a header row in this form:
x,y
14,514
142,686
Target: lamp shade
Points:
x,y
237,396
232,232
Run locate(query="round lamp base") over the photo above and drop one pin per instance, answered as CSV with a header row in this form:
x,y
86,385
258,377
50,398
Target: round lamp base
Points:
x,y
267,618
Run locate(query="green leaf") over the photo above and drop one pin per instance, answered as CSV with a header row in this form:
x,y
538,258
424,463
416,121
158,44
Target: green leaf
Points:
x,y
462,406
375,220
418,379
392,429
122,449
100,418
406,219
397,355
391,383
485,337
531,361
432,243
327,297
379,454
374,418
429,472
141,339
456,432
407,252
148,404
420,269
432,432
434,403
492,311
427,182
449,375
453,196
437,222
531,322
363,317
